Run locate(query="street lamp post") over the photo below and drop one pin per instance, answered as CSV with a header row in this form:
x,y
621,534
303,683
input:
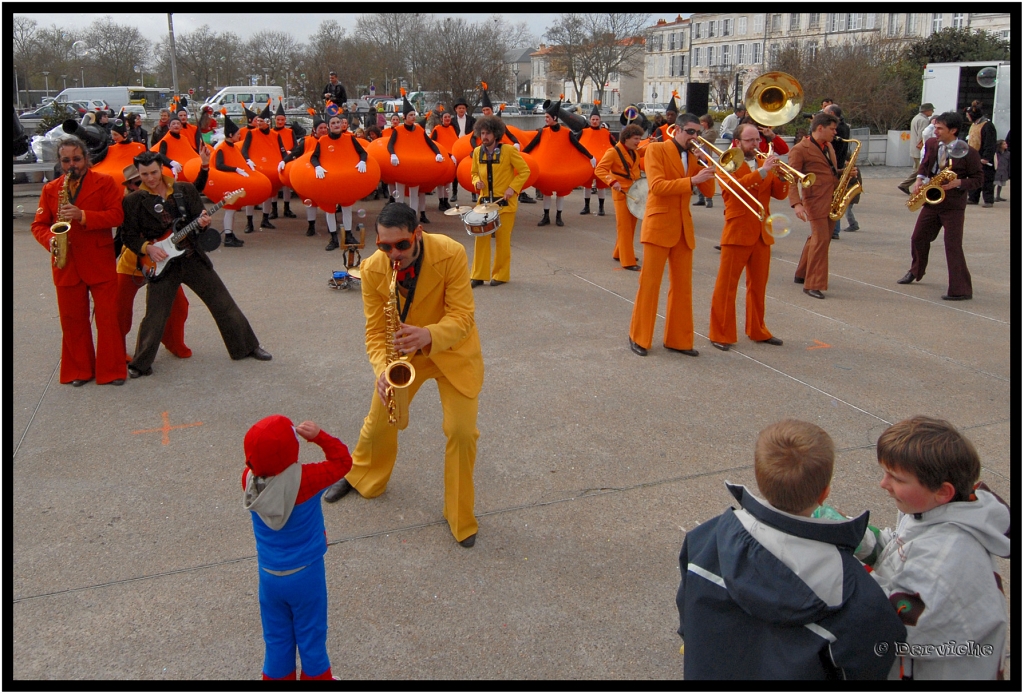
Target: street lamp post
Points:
x,y
515,78
266,73
46,76
64,78
17,89
142,74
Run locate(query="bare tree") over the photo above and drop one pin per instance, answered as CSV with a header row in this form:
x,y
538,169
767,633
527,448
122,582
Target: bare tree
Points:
x,y
572,57
115,49
721,86
392,37
615,45
457,56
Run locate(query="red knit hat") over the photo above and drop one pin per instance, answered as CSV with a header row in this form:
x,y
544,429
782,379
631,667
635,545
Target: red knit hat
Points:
x,y
271,446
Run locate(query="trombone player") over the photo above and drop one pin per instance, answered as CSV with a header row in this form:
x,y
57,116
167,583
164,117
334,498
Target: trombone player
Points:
x,y
746,244
815,155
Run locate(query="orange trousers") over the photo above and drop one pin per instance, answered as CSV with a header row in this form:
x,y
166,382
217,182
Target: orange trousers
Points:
x,y
755,260
625,228
679,313
813,265
174,332
79,360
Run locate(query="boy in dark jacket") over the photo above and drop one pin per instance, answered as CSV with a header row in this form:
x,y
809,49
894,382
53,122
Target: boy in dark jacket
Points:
x,y
768,592
284,499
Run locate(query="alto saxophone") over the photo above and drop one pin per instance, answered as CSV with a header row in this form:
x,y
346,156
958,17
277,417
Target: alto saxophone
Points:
x,y
60,229
844,192
399,373
932,193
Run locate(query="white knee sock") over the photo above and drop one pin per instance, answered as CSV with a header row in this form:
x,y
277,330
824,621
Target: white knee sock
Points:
x,y
600,193
310,214
266,206
229,221
287,194
586,192
249,209
346,217
423,201
558,203
332,221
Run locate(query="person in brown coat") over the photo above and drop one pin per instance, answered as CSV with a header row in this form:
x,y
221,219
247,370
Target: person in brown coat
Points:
x,y
815,155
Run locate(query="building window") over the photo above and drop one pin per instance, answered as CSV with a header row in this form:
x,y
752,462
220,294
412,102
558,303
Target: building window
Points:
x,y
812,50
758,23
794,21
813,20
869,21
894,24
958,20
774,53
776,22
856,21
683,66
696,57
910,27
711,56
741,26
837,21
672,41
696,30
936,22
740,53
712,26
726,27
725,55
755,53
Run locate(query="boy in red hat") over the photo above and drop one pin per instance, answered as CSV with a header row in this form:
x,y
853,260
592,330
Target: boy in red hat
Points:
x,y
284,499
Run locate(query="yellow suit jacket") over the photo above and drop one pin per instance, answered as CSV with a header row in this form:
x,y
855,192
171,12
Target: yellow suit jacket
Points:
x,y
443,303
511,171
667,215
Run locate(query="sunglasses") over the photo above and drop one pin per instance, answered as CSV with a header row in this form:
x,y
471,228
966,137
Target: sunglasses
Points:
x,y
403,245
690,131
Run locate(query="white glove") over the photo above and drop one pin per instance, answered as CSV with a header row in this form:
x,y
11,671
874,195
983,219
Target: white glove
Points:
x,y
280,166
593,162
242,172
439,158
251,163
454,161
516,145
176,168
394,160
321,172
361,167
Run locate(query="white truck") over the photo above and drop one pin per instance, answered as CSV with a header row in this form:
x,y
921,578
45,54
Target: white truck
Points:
x,y
953,86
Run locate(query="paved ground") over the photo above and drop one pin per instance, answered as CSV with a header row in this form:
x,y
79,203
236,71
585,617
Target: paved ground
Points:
x,y
132,556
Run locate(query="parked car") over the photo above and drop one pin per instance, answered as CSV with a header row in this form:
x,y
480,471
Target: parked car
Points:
x,y
31,119
651,107
539,109
135,108
89,104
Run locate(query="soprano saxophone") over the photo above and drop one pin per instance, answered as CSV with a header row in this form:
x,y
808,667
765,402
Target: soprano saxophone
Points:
x,y
844,192
60,229
399,373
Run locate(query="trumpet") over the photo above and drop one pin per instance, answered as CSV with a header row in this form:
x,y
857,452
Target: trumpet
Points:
x,y
786,172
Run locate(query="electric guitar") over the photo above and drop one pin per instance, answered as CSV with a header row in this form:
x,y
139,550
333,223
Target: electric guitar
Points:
x,y
177,241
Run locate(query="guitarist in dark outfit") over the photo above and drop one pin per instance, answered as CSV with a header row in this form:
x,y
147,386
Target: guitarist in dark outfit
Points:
x,y
150,213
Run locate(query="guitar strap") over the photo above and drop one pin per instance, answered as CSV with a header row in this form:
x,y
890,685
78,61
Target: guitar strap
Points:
x,y
179,199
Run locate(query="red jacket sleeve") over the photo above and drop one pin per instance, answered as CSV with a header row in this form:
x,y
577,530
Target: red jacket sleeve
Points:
x,y
317,476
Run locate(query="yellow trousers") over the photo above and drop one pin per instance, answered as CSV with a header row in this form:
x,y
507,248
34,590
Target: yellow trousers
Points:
x,y
502,251
374,456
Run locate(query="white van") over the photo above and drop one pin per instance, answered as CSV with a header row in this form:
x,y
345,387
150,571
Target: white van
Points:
x,y
116,97
232,98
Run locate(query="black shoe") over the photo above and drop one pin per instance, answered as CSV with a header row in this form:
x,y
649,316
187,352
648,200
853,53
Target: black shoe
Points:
x,y
798,280
333,243
116,382
423,218
904,189
852,227
248,226
469,541
586,208
475,283
710,203
700,201
687,352
79,382
311,229
815,293
906,279
558,219
637,349
273,210
497,283
232,241
350,240
951,297
523,197
771,341
265,223
545,220
835,236
288,212
136,373
725,347
260,354
986,204
391,199
600,208
337,490
1000,199
718,248
634,268
972,202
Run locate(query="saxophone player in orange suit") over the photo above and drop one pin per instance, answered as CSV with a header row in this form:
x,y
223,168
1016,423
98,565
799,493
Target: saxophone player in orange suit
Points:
x,y
619,168
815,155
746,244
667,234
435,306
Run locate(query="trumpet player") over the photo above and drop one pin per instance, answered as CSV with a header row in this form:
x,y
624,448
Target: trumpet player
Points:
x,y
815,155
439,337
90,202
746,245
947,214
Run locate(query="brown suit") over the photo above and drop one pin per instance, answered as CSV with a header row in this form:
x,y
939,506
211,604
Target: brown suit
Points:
x,y
807,157
949,216
667,234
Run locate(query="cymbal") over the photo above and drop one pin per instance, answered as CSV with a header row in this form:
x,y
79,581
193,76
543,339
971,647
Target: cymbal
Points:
x,y
355,272
456,211
487,207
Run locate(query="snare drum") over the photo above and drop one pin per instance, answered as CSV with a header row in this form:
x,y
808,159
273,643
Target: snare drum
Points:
x,y
478,224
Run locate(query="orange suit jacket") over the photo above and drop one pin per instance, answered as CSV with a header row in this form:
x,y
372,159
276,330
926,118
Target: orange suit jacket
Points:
x,y
807,157
668,198
610,170
742,227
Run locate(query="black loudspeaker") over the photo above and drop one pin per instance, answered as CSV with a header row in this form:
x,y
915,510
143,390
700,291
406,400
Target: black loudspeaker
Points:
x,y
697,98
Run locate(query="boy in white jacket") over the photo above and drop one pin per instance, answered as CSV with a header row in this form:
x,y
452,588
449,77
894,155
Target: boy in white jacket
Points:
x,y
937,565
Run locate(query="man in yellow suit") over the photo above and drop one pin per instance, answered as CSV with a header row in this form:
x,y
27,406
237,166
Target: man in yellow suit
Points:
x,y
499,172
438,335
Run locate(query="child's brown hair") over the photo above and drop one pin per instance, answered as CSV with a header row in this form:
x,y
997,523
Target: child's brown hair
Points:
x,y
933,451
793,463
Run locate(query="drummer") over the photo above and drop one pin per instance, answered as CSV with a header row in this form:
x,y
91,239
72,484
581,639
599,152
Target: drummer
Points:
x,y
620,169
499,173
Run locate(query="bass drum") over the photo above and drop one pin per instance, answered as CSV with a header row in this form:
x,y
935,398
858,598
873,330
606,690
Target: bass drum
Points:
x,y
636,198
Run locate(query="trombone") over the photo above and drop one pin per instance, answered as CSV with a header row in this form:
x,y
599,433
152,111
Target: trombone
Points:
x,y
786,172
723,172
